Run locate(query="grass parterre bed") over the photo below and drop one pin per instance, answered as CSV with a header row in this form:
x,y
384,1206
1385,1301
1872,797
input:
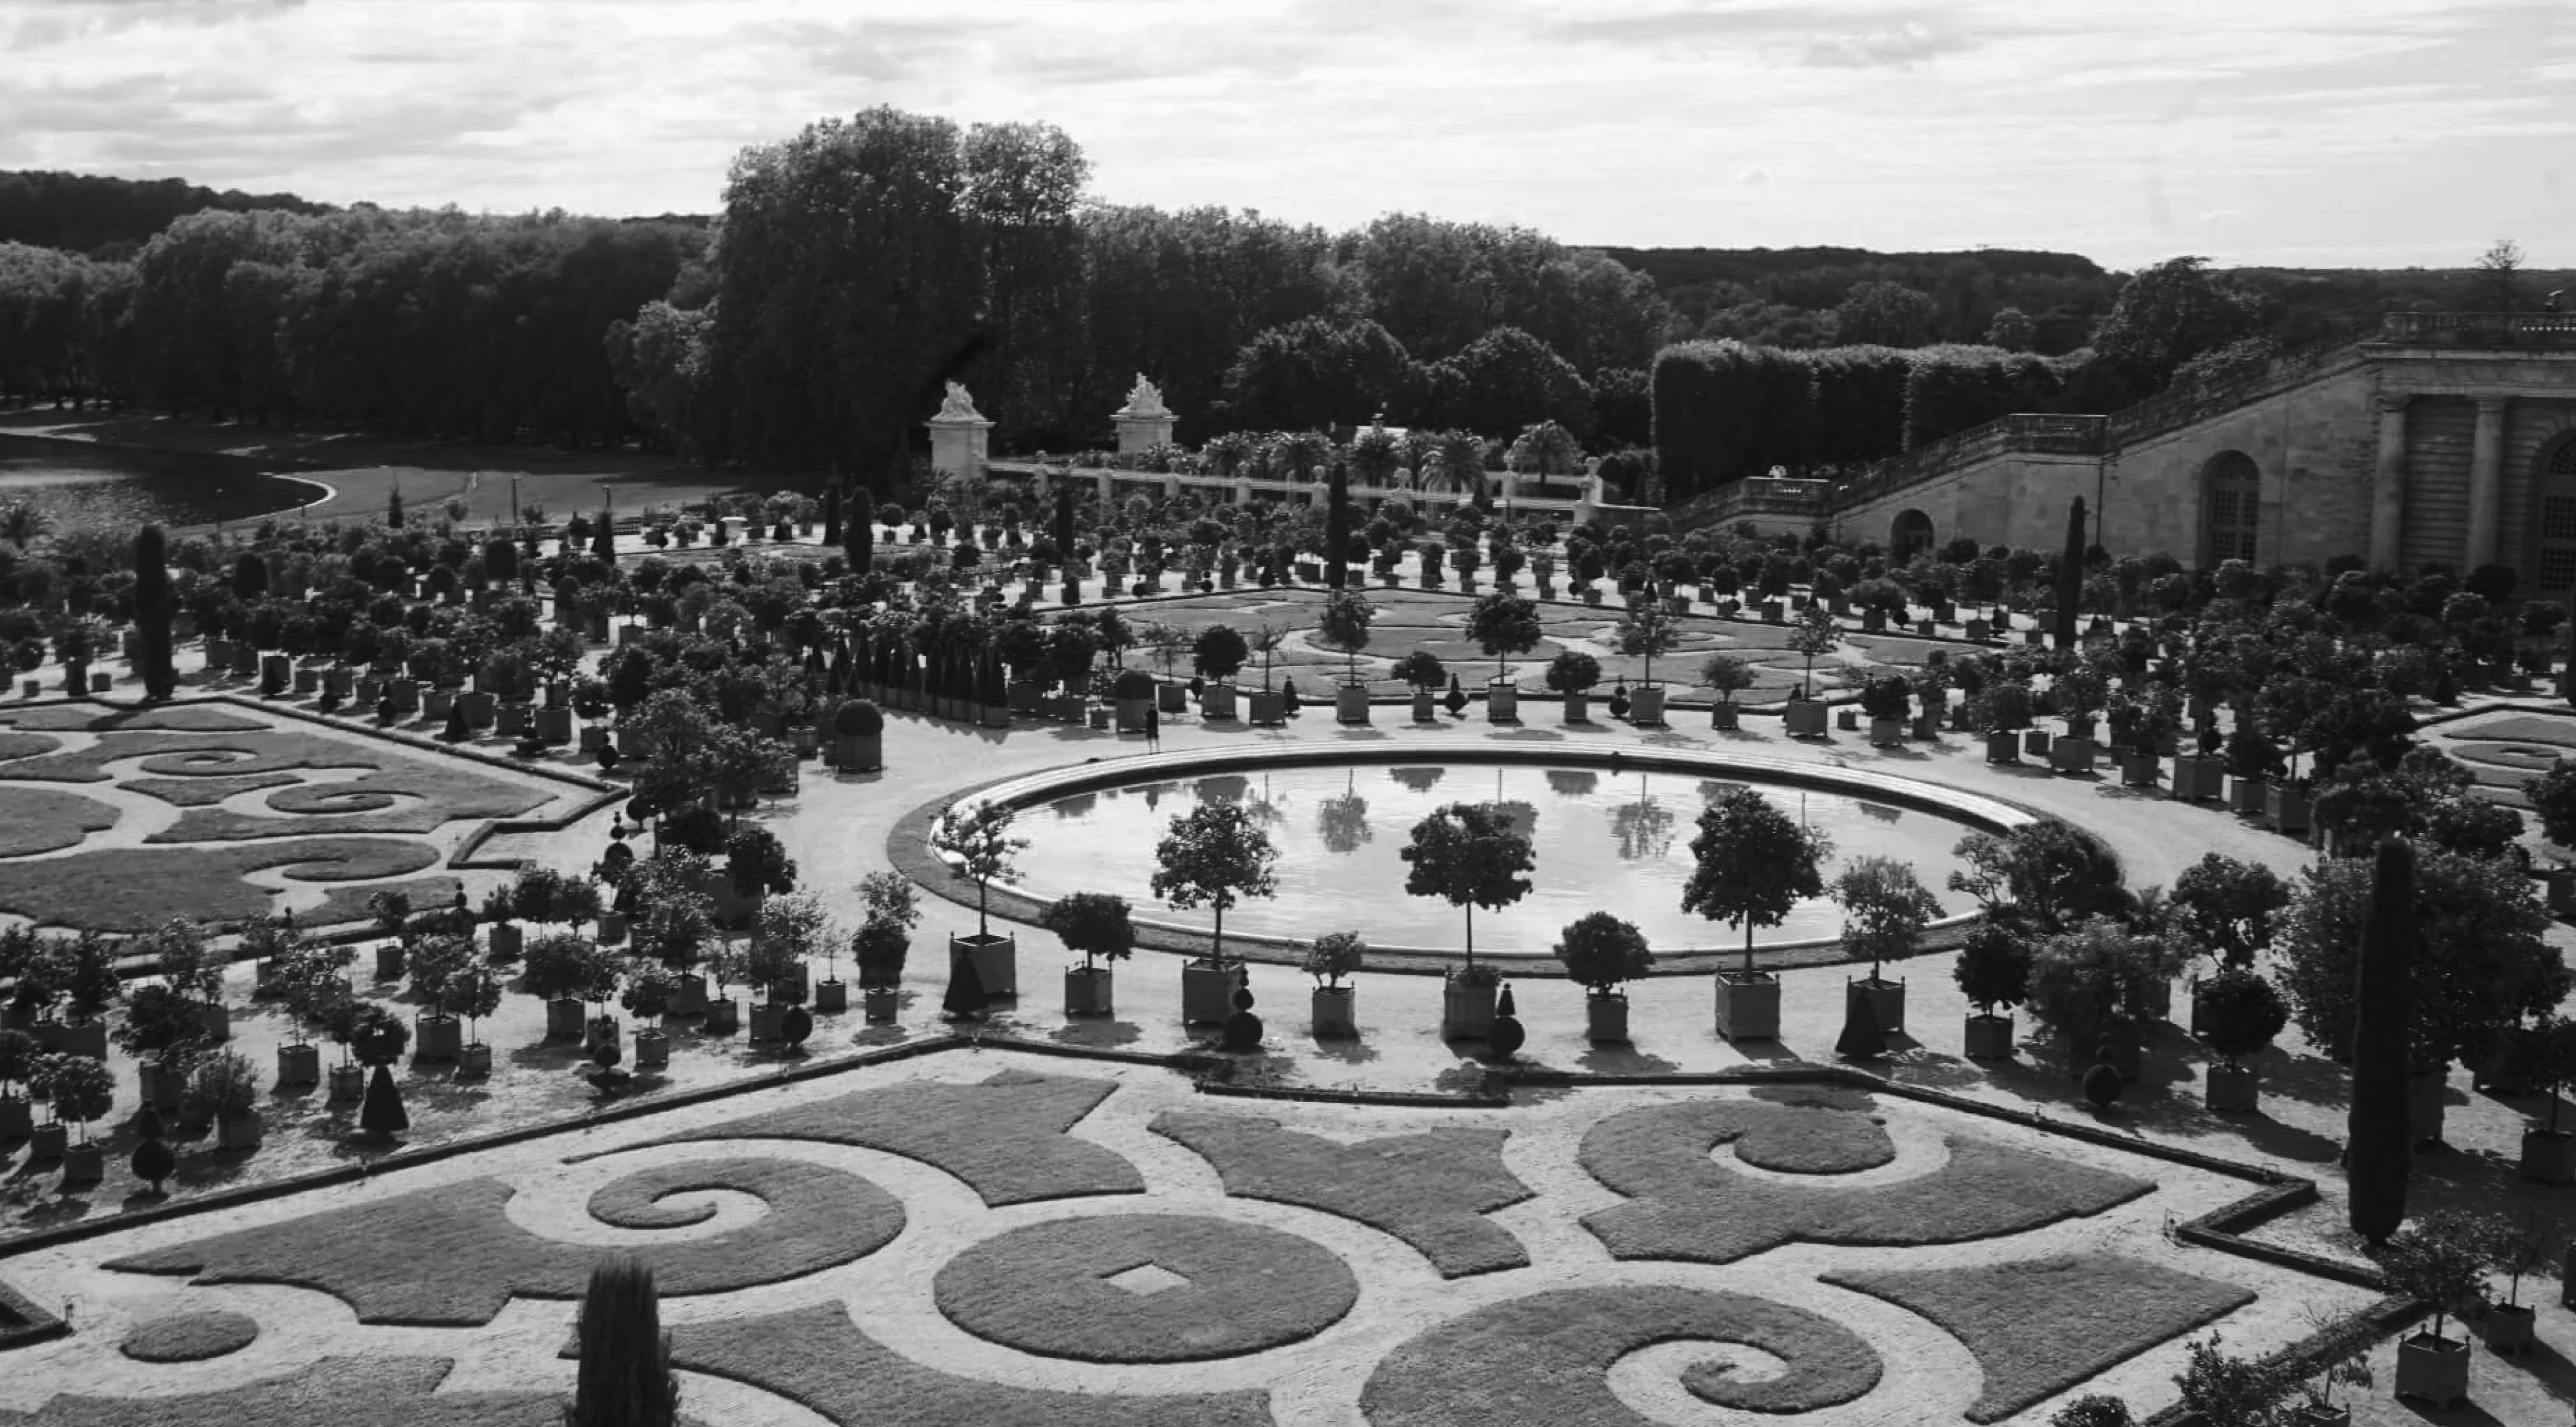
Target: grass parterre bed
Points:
x,y
1006,1136
1685,1205
2041,1326
44,820
818,1358
336,1392
1547,1359
452,1257
1431,1190
134,889
1048,1289
189,1337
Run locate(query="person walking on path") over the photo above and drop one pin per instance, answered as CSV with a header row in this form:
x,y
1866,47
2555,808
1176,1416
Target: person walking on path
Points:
x,y
1153,728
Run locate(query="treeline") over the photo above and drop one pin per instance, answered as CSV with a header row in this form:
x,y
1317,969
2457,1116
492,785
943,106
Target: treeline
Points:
x,y
111,217
418,324
1804,298
819,341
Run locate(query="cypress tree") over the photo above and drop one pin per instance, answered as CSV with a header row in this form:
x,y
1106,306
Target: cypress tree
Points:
x,y
1064,526
154,608
625,1378
2070,575
859,537
832,515
1337,526
603,542
250,578
2378,1140
394,510
500,562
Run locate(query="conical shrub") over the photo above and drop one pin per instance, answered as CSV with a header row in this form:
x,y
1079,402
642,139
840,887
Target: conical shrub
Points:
x,y
2378,1140
625,1378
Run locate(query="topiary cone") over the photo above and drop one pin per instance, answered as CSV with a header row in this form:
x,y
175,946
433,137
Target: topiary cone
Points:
x,y
966,995
1863,1038
2378,1137
625,1375
2070,575
381,1113
1507,1035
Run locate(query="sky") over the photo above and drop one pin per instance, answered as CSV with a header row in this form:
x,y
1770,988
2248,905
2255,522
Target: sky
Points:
x,y
2360,133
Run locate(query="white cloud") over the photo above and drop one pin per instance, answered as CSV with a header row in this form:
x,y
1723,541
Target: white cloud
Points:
x,y
1865,122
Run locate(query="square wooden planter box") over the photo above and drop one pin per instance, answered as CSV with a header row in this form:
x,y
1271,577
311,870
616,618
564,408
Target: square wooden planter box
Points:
x,y
1605,1019
1351,703
997,961
2246,795
298,1065
1748,1006
1217,701
1502,702
2433,1369
2072,754
2548,1158
1887,998
1806,718
1988,1037
1467,1009
1336,1012
2287,811
2232,1088
1089,991
1646,706
653,1049
1207,989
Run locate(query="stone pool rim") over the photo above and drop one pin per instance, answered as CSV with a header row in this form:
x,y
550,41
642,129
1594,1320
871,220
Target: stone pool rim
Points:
x,y
908,850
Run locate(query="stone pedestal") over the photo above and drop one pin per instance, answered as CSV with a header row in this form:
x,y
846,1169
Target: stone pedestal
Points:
x,y
959,435
1144,422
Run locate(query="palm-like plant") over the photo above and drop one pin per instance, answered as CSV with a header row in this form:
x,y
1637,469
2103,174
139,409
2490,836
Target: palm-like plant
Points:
x,y
22,524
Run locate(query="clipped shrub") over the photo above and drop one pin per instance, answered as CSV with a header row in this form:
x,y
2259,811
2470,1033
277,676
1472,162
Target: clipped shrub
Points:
x,y
1132,684
625,1375
2378,1136
858,718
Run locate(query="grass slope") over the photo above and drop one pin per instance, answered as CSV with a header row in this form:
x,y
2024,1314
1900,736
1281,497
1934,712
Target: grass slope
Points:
x,y
1006,1136
1430,1190
189,1337
1687,1206
818,1358
451,1257
2040,1327
1547,1358
1045,1289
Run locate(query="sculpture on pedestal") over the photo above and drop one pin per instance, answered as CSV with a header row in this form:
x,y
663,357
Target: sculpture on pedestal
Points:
x,y
959,405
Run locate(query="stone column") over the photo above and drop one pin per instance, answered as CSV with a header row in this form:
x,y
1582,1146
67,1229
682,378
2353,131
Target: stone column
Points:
x,y
2486,483
2388,485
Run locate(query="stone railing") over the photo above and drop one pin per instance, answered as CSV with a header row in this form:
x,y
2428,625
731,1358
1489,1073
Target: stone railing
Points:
x,y
2478,329
1519,492
2039,432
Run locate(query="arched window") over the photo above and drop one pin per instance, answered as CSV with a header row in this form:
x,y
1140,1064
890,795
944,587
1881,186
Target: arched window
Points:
x,y
1910,536
2554,565
2232,503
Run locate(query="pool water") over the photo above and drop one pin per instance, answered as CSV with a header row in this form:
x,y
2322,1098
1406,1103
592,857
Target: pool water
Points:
x,y
121,488
1603,842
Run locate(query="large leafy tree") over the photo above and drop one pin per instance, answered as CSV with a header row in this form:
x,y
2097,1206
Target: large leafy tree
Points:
x,y
1471,855
1753,864
1316,373
2481,962
1215,855
2168,314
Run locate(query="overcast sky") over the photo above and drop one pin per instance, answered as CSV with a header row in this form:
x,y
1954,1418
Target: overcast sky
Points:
x,y
2314,132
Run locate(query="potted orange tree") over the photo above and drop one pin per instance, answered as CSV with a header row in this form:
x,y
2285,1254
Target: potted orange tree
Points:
x,y
975,840
2438,1260
1470,855
1344,626
1213,856
1331,957
1504,624
1726,675
1993,970
1423,671
2239,1014
1814,636
1570,673
1602,953
1650,628
1885,913
1752,865
1097,925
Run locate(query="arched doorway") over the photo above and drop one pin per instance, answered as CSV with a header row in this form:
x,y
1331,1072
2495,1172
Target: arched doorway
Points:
x,y
2231,502
2553,563
1910,536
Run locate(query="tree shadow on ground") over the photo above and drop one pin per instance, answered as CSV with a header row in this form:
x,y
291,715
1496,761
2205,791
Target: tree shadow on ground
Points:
x,y
1097,1031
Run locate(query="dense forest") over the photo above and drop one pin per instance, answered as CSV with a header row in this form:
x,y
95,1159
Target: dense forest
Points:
x,y
799,332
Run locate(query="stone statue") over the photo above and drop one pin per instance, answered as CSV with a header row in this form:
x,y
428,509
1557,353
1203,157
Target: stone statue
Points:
x,y
960,406
1145,399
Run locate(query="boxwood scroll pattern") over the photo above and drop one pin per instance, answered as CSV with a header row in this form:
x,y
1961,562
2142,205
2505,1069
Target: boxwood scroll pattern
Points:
x,y
1430,1189
335,1392
1547,1358
1686,1205
451,1257
1006,1137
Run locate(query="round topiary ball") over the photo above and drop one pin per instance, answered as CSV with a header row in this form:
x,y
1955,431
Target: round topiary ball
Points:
x,y
2102,1086
1132,684
858,719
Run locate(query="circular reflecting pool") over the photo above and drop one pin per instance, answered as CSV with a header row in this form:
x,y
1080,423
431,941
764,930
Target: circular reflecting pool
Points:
x,y
120,488
1605,841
